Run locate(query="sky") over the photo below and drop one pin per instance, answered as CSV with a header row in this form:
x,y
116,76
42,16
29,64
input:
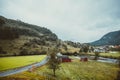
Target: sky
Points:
x,y
76,20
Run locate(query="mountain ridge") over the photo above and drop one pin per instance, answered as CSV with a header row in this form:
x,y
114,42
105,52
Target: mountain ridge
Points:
x,y
111,38
25,27
20,38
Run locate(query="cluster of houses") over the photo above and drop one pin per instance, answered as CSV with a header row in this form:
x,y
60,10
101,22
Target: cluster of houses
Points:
x,y
65,58
106,48
101,49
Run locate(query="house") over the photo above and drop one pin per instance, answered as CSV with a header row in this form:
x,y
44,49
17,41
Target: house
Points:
x,y
83,58
100,50
63,58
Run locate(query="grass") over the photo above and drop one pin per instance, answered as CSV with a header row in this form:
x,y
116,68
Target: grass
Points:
x,y
75,70
108,55
18,61
114,55
85,70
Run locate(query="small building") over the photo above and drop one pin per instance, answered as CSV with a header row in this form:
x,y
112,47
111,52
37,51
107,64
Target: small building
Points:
x,y
99,50
84,59
63,58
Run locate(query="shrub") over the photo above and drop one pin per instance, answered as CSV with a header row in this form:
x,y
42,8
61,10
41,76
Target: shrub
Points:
x,y
24,52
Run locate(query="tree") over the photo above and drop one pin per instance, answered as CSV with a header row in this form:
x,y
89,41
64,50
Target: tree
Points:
x,y
54,62
24,52
2,22
2,51
118,60
65,47
84,49
97,53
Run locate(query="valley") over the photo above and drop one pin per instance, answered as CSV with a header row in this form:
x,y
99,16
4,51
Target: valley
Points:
x,y
24,47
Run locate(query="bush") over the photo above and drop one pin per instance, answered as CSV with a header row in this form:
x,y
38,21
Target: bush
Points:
x,y
8,33
24,52
2,22
2,51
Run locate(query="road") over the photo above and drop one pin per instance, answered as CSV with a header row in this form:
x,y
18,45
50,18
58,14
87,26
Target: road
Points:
x,y
18,70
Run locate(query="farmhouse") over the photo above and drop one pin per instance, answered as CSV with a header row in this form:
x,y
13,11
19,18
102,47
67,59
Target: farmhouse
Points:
x,y
63,58
83,58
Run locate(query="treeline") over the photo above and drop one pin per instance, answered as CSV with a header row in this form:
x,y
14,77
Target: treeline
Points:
x,y
74,44
8,33
33,29
13,32
24,52
115,49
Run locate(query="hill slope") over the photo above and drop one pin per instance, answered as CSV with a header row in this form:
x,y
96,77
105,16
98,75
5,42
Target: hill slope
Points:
x,y
9,26
112,38
19,38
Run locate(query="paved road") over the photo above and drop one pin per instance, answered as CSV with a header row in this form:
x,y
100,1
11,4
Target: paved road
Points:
x,y
14,71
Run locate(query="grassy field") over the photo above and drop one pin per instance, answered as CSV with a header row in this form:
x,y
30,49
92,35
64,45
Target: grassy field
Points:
x,y
108,55
74,70
18,61
114,55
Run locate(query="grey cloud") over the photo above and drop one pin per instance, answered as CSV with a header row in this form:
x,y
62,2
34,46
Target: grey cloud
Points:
x,y
78,20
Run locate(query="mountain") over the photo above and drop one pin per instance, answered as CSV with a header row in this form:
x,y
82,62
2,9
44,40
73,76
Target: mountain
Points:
x,y
14,28
111,38
20,38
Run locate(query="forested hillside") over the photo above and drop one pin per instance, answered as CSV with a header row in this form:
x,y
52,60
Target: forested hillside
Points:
x,y
19,38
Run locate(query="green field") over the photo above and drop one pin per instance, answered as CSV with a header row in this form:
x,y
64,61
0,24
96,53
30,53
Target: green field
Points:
x,y
74,70
108,55
85,71
18,61
114,55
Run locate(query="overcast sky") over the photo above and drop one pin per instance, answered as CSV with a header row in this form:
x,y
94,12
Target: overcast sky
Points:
x,y
76,20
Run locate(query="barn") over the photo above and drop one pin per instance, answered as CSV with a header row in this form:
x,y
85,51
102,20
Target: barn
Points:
x,y
83,58
63,58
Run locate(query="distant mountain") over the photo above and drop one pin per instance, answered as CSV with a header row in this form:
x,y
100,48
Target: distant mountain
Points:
x,y
112,38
